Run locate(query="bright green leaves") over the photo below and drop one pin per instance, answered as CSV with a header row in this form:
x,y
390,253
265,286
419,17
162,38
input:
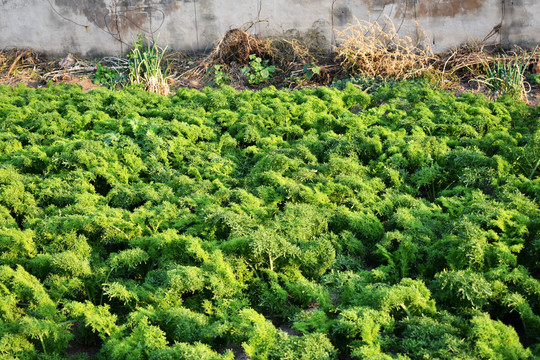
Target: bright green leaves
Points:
x,y
354,98
153,226
439,337
258,70
97,318
267,342
186,279
16,245
268,246
494,340
28,315
364,329
27,289
295,238
311,346
69,263
469,287
140,341
186,351
365,227
48,332
14,195
529,160
12,345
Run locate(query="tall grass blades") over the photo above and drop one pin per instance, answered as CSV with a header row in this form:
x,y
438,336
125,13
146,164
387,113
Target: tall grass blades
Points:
x,y
375,49
506,77
145,67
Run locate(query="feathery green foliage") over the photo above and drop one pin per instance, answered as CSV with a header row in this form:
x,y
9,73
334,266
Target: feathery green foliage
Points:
x,y
311,224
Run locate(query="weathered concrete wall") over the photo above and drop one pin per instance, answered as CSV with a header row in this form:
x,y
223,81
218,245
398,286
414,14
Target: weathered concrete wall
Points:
x,y
94,27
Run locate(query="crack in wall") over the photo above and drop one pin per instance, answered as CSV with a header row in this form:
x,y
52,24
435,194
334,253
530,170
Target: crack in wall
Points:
x,y
117,18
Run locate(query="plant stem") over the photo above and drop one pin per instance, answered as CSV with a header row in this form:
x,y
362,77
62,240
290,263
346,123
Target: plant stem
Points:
x,y
534,169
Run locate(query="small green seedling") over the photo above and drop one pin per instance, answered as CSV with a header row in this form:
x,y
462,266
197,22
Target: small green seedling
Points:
x,y
310,71
218,75
258,70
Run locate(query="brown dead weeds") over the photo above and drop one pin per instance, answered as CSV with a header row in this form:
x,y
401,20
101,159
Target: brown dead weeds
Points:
x,y
375,49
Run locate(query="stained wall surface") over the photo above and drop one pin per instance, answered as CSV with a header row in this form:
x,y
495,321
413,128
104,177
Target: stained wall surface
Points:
x,y
109,27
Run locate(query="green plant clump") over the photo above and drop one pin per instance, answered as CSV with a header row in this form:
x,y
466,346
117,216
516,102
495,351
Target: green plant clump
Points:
x,y
218,75
506,77
145,66
310,224
111,78
258,70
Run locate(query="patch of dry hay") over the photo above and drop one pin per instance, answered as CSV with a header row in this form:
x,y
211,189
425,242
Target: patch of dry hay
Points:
x,y
237,45
375,49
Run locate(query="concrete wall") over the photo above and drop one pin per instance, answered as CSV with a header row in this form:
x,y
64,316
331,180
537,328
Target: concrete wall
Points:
x,y
108,27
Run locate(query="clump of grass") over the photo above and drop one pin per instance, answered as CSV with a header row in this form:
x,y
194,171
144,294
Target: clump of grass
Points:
x,y
145,64
505,75
375,49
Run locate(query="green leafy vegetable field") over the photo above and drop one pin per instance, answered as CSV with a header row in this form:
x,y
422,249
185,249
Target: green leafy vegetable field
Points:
x,y
310,224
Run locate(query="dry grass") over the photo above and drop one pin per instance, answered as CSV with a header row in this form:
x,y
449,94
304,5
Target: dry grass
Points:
x,y
375,49
237,45
470,60
291,52
178,62
234,48
458,61
288,53
296,48
16,60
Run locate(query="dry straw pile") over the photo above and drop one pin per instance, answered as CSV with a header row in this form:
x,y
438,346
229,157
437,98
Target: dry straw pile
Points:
x,y
237,45
375,49
288,53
